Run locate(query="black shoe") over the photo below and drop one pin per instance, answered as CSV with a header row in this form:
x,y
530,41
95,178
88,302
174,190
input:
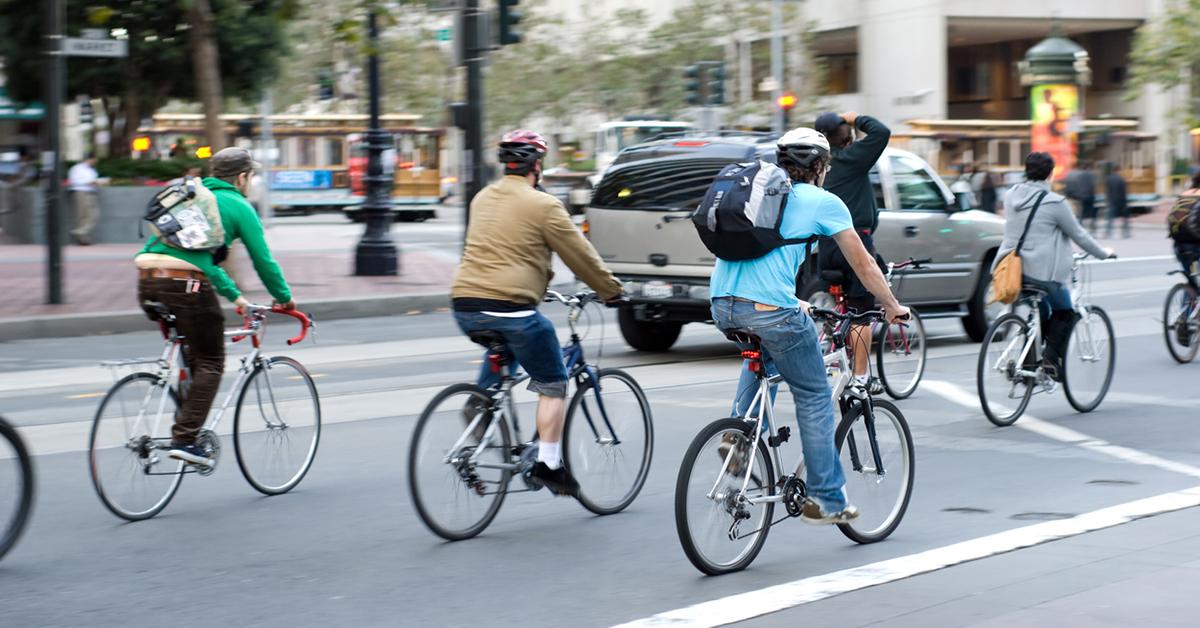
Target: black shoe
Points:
x,y
470,410
559,481
190,453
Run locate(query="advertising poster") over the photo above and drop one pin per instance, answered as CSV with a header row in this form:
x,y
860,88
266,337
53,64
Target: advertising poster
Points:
x,y
1053,109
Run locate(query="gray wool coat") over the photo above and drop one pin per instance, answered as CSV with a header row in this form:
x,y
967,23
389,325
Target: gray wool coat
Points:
x,y
1046,255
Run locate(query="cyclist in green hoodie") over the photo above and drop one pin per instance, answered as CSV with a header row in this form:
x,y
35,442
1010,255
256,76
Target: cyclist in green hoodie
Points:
x,y
188,282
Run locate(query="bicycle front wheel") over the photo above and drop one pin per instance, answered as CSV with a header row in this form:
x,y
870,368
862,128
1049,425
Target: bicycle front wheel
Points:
x,y
1090,360
277,425
16,486
458,463
900,356
127,455
876,452
1003,390
721,528
608,441
1181,323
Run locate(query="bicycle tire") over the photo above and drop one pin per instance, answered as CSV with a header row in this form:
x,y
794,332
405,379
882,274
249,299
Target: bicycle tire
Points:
x,y
683,523
17,522
576,465
983,368
898,386
1073,394
256,479
424,511
843,435
108,500
1175,324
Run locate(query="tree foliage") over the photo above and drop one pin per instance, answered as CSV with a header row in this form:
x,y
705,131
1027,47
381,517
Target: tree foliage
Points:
x,y
1166,53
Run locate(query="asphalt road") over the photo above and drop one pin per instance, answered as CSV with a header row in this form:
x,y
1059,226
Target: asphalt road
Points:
x,y
346,547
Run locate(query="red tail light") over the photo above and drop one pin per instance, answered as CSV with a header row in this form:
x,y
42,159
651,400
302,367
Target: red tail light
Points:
x,y
751,355
495,361
691,143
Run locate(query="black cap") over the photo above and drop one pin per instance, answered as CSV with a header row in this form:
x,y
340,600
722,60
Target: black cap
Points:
x,y
828,122
232,161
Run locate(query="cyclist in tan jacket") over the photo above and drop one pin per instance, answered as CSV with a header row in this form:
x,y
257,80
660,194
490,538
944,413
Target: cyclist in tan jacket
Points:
x,y
504,273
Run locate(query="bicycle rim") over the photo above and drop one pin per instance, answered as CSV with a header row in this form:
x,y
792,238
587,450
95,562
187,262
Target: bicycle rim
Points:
x,y
16,486
881,495
1181,328
277,425
455,497
704,523
900,354
127,455
1091,358
609,452
1003,393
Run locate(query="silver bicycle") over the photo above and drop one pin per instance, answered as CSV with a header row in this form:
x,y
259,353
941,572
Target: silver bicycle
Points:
x,y
276,422
732,475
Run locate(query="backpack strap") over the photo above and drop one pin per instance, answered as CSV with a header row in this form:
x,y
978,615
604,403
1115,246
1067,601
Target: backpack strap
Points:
x,y
1029,221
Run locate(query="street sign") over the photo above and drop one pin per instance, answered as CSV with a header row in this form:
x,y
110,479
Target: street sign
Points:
x,y
85,47
444,34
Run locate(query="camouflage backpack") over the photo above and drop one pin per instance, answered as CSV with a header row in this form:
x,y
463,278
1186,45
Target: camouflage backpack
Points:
x,y
185,216
1183,221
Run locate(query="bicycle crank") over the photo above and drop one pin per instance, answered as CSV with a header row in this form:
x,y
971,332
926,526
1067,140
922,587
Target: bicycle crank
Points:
x,y
208,441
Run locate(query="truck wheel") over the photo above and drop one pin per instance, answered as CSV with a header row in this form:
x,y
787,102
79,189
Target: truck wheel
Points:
x,y
979,314
647,335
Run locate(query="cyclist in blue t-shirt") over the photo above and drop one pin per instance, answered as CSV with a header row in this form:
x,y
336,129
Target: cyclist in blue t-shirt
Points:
x,y
760,295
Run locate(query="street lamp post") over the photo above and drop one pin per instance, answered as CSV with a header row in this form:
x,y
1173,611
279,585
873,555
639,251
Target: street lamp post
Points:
x,y
376,253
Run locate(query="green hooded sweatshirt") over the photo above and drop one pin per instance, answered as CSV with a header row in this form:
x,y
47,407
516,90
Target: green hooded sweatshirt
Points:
x,y
240,223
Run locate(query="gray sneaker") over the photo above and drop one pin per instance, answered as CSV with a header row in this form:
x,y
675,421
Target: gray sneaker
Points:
x,y
739,460
813,514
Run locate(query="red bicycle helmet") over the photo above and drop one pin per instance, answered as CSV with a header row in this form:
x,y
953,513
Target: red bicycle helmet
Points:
x,y
519,149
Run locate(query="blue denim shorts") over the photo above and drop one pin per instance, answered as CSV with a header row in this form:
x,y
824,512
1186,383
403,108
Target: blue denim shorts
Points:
x,y
531,343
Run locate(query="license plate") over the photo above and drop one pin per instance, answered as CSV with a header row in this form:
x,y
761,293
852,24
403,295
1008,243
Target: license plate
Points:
x,y
658,290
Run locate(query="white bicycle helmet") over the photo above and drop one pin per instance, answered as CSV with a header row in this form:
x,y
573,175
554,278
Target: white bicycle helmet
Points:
x,y
801,146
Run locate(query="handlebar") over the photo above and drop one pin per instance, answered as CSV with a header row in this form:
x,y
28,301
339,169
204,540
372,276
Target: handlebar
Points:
x,y
258,313
910,262
860,317
580,299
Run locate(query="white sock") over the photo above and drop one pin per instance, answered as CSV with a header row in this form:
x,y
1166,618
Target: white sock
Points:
x,y
550,453
862,379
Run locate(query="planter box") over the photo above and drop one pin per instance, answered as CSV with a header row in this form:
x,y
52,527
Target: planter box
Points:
x,y
121,209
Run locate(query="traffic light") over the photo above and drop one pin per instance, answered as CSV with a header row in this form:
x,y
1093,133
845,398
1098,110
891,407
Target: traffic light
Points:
x,y
786,101
716,84
509,19
691,84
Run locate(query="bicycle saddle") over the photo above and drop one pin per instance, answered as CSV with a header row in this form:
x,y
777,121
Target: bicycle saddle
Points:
x,y
161,311
487,338
743,336
1029,290
833,276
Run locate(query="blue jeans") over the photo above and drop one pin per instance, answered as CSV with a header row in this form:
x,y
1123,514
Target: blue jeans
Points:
x,y
789,345
1058,296
531,344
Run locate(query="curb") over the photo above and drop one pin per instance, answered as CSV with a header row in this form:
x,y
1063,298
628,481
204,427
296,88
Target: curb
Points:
x,y
103,323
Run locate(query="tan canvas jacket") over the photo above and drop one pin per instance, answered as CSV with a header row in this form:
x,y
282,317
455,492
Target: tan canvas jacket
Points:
x,y
513,230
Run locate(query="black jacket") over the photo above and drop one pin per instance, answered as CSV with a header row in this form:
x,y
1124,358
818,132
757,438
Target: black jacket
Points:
x,y
848,179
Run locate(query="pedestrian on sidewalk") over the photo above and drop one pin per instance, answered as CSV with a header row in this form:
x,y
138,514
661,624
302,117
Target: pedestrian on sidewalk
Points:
x,y
984,186
82,179
1118,201
1081,187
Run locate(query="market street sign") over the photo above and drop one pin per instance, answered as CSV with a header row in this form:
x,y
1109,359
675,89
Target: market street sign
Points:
x,y
87,47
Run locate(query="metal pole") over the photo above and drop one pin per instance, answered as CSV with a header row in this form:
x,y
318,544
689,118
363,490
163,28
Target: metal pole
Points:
x,y
267,141
376,253
777,61
474,173
55,88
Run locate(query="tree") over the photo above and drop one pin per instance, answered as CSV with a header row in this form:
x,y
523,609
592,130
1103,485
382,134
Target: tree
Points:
x,y
1166,53
206,65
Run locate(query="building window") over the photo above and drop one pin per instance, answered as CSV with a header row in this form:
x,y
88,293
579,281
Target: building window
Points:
x,y
841,73
307,157
336,152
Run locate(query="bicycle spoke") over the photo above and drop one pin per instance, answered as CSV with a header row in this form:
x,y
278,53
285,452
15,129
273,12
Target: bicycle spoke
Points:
x,y
277,426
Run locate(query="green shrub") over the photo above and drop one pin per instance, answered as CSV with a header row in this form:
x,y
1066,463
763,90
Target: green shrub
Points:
x,y
141,170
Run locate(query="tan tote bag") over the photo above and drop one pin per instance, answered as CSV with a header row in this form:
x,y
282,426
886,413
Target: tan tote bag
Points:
x,y
1006,278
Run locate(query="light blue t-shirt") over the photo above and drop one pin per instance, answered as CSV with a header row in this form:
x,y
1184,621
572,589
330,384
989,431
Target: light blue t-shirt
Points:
x,y
771,279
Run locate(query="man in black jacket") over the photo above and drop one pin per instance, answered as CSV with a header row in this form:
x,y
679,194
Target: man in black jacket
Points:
x,y
849,180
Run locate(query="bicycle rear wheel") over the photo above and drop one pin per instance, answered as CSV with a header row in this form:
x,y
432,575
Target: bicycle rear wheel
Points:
x,y
719,531
457,494
880,487
1181,328
16,486
900,356
608,441
1003,392
1090,360
127,455
277,425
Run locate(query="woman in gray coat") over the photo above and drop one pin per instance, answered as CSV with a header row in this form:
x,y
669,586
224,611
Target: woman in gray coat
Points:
x,y
1046,254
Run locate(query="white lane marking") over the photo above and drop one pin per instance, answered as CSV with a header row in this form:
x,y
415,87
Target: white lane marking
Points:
x,y
957,395
735,608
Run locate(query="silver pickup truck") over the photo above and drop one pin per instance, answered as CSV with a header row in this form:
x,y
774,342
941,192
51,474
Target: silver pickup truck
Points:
x,y
639,222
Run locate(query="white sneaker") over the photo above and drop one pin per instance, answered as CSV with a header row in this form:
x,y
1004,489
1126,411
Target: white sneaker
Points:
x,y
814,515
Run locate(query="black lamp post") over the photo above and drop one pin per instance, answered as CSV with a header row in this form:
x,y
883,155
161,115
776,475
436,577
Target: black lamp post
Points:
x,y
376,253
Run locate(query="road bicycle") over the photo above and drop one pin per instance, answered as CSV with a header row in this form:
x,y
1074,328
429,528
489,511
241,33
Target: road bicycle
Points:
x,y
899,347
732,475
16,486
467,444
1010,368
1181,316
276,421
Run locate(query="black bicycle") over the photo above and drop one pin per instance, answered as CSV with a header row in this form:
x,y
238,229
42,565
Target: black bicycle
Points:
x,y
16,486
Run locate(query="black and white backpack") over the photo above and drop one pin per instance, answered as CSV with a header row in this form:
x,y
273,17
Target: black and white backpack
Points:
x,y
742,211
